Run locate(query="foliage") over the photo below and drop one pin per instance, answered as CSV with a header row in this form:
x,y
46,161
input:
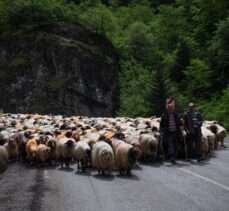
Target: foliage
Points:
x,y
135,88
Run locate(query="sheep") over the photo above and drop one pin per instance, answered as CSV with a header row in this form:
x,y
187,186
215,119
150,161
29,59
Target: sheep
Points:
x,y
43,153
102,157
148,145
4,136
12,149
204,146
18,137
220,135
31,150
208,135
53,145
82,154
3,158
66,150
42,139
125,156
218,130
22,150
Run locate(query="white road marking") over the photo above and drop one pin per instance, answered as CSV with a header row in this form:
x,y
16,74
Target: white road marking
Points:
x,y
206,179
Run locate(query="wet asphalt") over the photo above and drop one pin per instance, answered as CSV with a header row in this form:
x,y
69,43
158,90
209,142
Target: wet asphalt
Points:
x,y
184,186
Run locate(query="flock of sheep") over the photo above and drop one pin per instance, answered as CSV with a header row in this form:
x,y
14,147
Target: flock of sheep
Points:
x,y
103,143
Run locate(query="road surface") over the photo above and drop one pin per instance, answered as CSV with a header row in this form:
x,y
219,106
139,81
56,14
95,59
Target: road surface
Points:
x,y
185,186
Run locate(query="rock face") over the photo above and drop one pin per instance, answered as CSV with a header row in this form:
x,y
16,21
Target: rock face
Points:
x,y
63,70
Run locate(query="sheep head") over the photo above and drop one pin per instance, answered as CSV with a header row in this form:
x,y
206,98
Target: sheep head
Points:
x,y
52,144
68,134
133,155
70,143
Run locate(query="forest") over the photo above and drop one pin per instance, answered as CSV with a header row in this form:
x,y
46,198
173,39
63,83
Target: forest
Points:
x,y
166,48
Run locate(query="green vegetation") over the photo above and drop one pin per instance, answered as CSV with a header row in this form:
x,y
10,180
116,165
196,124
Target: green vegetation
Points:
x,y
176,48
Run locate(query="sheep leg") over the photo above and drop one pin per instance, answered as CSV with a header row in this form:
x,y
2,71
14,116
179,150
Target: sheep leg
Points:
x,y
103,172
83,166
78,164
222,144
98,171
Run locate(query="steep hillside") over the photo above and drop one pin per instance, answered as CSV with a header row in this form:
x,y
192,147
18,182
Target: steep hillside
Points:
x,y
60,70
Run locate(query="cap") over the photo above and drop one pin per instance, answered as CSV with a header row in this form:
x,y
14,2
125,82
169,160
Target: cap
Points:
x,y
191,105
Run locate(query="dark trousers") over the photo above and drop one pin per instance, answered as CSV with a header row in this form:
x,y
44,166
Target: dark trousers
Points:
x,y
194,138
172,143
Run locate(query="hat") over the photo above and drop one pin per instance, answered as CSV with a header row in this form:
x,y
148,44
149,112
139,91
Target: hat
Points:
x,y
170,102
191,105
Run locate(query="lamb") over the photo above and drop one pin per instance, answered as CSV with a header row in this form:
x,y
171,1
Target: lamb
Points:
x,y
148,145
31,150
12,149
102,157
82,154
66,149
43,153
3,158
125,156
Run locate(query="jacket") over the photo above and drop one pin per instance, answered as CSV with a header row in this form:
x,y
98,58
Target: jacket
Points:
x,y
164,124
188,123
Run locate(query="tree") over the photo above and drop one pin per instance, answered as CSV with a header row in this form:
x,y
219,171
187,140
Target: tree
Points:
x,y
198,79
219,55
135,88
99,19
139,40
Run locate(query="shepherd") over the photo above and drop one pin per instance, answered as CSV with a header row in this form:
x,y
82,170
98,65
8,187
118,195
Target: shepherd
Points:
x,y
193,121
170,130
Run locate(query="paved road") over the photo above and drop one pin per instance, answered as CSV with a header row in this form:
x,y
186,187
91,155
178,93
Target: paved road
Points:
x,y
186,186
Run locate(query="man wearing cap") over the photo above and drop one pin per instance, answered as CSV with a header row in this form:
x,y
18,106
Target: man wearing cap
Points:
x,y
170,130
192,124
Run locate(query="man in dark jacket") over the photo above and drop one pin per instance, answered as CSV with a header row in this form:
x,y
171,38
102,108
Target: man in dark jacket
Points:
x,y
170,130
192,125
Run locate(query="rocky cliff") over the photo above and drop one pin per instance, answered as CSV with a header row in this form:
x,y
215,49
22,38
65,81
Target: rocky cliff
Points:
x,y
60,70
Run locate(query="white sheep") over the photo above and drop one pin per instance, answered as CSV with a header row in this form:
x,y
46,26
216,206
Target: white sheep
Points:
x,y
125,156
82,154
66,149
218,130
208,135
220,135
3,158
102,157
